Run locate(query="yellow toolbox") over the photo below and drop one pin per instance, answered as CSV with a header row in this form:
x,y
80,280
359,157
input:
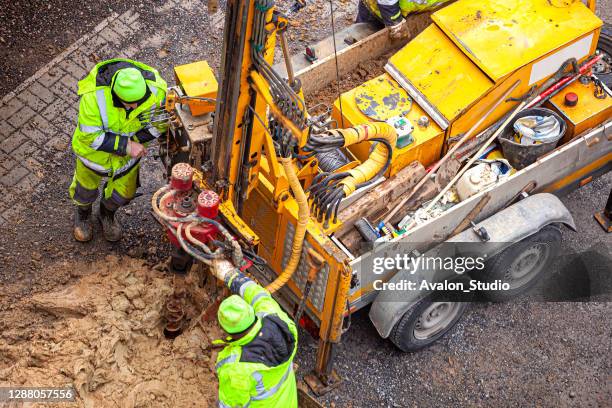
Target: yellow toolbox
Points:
x,y
198,80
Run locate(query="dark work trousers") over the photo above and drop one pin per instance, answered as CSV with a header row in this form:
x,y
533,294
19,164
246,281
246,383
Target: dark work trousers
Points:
x,y
365,16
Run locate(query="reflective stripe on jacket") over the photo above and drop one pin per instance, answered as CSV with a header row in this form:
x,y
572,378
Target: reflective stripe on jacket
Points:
x,y
104,126
257,370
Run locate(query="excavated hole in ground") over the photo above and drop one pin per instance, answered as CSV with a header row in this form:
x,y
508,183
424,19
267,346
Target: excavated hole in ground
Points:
x,y
104,334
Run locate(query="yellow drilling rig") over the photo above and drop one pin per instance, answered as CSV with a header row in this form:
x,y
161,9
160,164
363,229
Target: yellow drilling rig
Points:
x,y
292,197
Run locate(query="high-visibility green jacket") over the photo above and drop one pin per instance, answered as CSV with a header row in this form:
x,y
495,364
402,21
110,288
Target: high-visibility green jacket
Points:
x,y
105,126
257,370
392,11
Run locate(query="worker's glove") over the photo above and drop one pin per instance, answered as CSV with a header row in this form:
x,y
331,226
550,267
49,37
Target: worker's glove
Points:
x,y
144,136
399,30
134,149
223,269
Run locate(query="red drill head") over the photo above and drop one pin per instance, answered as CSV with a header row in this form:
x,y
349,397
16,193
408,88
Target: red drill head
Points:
x,y
182,177
208,204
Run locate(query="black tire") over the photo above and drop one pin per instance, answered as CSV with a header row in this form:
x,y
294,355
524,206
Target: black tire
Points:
x,y
605,45
521,265
407,339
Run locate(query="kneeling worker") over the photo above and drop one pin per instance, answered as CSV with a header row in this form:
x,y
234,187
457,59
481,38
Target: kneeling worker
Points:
x,y
392,13
119,98
255,368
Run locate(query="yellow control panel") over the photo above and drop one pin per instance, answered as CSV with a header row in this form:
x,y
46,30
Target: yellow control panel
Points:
x,y
588,112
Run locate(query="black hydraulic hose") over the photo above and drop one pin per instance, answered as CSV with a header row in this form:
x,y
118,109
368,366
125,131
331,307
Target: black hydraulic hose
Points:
x,y
284,96
334,203
326,201
316,179
337,206
332,160
328,177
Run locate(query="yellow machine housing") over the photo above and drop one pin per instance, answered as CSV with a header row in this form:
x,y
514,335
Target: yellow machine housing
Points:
x,y
503,36
447,82
457,67
452,71
197,80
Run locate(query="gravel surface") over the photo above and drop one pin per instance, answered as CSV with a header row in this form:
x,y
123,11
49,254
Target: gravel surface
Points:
x,y
517,354
34,31
604,10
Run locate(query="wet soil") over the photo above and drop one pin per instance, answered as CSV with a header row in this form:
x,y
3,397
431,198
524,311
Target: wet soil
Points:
x,y
103,335
364,71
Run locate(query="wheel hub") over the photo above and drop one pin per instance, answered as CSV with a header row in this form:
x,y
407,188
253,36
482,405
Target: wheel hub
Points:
x,y
526,265
435,318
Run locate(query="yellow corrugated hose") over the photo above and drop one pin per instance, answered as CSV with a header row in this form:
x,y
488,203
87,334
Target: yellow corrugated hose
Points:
x,y
300,229
377,159
362,173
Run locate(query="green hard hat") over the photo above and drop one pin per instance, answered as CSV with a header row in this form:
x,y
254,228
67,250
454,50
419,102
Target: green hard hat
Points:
x,y
235,314
129,85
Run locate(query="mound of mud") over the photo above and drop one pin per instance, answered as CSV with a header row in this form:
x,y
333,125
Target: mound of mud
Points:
x,y
104,337
365,71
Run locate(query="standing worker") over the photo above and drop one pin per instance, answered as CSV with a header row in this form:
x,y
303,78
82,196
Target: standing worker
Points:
x,y
392,13
255,368
119,99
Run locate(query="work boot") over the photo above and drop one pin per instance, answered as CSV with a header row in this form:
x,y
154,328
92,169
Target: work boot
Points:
x,y
83,229
110,224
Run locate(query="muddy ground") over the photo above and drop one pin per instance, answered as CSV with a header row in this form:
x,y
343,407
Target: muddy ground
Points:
x,y
102,336
499,355
364,71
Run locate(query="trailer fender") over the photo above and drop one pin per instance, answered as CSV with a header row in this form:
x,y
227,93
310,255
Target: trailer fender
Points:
x,y
519,221
505,227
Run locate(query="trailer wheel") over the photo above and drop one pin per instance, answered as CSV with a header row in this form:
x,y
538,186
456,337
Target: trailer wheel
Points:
x,y
522,264
425,322
603,69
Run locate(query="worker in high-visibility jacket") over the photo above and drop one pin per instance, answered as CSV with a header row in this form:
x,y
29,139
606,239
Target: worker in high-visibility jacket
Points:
x,y
392,13
255,368
119,104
